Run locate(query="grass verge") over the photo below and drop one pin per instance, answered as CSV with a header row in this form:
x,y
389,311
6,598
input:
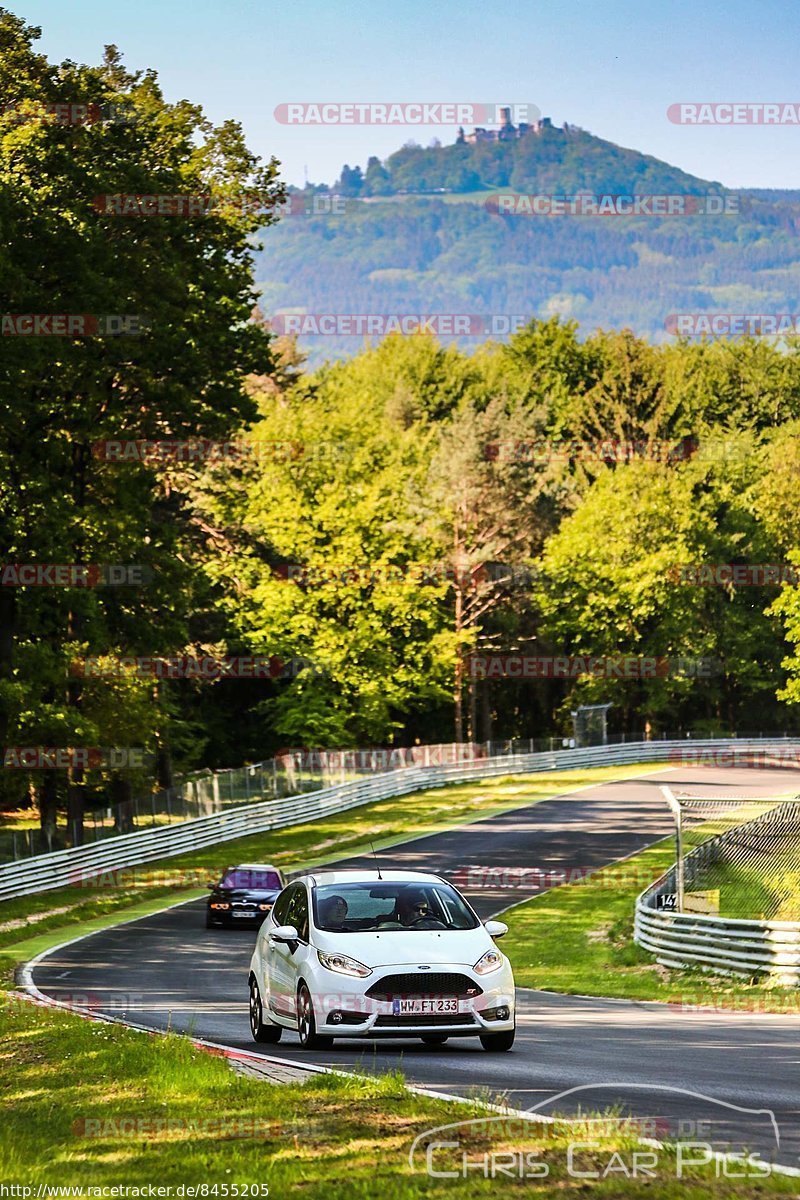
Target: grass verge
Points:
x,y
578,938
72,911
88,1105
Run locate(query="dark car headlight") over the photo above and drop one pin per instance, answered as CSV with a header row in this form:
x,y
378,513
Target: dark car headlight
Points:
x,y
265,907
218,904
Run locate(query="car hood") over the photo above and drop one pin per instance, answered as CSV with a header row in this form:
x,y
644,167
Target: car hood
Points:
x,y
406,948
247,893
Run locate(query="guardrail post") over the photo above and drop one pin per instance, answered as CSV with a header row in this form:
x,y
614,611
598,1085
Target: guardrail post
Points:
x,y
675,808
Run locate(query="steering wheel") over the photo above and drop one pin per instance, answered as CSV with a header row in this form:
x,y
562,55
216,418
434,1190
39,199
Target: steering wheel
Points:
x,y
430,921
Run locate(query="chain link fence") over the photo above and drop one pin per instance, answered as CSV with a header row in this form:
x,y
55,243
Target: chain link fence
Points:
x,y
290,774
736,857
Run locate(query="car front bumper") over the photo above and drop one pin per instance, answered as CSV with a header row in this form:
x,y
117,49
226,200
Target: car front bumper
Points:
x,y
342,1010
250,920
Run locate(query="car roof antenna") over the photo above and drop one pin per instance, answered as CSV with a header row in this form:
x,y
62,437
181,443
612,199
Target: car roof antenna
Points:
x,y
377,864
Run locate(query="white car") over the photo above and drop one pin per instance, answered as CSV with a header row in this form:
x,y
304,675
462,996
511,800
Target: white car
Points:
x,y
379,954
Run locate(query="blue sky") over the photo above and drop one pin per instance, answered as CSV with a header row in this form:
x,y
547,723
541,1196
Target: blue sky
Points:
x,y
611,68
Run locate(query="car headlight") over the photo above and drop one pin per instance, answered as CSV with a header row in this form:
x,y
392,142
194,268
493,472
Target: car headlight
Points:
x,y
343,965
491,961
265,907
215,904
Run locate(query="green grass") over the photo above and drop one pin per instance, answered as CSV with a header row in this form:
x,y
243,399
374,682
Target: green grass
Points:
x,y
69,911
578,939
762,893
333,1137
88,1104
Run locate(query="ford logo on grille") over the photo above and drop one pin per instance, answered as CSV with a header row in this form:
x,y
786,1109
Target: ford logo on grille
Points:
x,y
423,968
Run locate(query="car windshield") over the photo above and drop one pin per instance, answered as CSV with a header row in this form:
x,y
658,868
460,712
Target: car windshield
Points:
x,y
252,878
387,907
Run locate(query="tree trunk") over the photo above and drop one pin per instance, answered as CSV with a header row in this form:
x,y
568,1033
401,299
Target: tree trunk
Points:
x,y
8,622
48,808
75,807
164,776
122,799
472,731
459,683
486,713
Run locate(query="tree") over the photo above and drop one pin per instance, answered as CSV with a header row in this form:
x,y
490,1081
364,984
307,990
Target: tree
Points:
x,y
190,282
350,181
610,587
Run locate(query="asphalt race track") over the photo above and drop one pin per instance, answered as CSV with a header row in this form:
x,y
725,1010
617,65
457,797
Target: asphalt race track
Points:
x,y
688,1073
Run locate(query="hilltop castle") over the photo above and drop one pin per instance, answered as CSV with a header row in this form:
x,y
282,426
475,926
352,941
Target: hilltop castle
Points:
x,y
506,133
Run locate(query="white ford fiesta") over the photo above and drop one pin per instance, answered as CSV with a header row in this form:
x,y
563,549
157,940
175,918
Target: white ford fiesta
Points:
x,y
379,954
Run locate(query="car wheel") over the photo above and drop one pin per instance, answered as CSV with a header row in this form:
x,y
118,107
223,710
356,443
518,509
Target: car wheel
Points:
x,y
498,1041
261,1032
307,1025
209,923
434,1039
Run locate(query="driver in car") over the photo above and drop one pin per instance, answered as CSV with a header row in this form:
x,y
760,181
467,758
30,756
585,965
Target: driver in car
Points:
x,y
333,912
413,909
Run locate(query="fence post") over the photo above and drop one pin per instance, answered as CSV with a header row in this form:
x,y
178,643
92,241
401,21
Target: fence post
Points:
x,y
675,808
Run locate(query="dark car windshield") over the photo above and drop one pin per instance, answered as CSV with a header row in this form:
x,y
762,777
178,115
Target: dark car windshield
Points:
x,y
387,907
258,880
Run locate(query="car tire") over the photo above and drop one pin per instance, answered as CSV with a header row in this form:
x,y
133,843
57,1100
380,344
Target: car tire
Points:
x,y
434,1039
306,1023
262,1031
498,1041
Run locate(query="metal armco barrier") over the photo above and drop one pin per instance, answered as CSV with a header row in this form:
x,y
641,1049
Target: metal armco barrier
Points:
x,y
65,867
727,945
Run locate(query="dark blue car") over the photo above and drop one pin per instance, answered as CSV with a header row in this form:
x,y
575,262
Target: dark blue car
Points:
x,y
244,895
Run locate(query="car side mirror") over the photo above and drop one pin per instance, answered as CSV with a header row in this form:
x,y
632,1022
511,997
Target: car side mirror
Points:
x,y
286,934
495,929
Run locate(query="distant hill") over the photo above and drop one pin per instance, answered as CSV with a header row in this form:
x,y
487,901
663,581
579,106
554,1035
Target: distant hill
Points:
x,y
418,235
545,159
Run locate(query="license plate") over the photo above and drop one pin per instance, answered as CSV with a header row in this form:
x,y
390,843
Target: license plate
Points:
x,y
243,914
424,1007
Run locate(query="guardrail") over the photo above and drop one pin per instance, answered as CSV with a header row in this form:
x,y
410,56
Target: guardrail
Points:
x,y
63,868
726,945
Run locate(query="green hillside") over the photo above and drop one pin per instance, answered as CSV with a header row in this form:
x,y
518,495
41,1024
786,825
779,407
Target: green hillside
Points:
x,y
418,235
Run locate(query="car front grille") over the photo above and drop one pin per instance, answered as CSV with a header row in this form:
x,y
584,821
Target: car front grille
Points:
x,y
421,1020
436,984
